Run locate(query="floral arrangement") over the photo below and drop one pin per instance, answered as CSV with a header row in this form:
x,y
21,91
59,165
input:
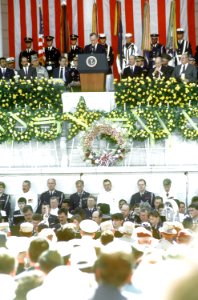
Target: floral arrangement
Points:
x,y
156,93
187,126
38,93
104,158
81,119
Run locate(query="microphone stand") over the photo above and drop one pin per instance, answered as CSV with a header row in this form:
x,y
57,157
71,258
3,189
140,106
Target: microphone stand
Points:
x,y
187,187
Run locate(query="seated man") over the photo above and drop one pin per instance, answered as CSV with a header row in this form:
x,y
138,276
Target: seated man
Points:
x,y
117,221
159,71
47,218
78,199
125,210
27,72
142,195
185,72
63,71
18,216
109,196
165,62
155,221
132,70
54,206
91,207
27,193
62,217
5,73
40,70
5,205
45,197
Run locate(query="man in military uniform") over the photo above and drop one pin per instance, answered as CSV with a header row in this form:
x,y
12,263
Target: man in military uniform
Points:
x,y
45,197
183,46
75,75
74,48
129,49
28,52
52,55
110,59
156,50
141,62
79,199
143,195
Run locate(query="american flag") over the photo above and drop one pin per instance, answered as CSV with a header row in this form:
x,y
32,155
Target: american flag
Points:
x,y
23,20
41,48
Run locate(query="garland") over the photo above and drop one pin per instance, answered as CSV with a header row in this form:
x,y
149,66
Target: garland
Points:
x,y
188,127
104,158
4,121
156,93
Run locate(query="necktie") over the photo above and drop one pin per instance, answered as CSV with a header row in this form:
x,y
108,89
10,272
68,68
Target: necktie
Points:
x,y
132,70
167,194
4,70
61,73
183,69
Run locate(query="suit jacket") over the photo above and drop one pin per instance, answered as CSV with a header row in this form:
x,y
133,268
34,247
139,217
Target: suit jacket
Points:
x,y
164,73
56,73
45,199
31,73
99,49
146,197
9,74
52,220
5,204
89,213
190,73
128,72
75,200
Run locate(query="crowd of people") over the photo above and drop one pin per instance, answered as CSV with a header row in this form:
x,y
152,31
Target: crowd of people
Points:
x,y
97,248
157,63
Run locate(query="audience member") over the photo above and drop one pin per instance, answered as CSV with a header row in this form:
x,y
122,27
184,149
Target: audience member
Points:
x,y
109,196
5,204
27,193
143,195
78,199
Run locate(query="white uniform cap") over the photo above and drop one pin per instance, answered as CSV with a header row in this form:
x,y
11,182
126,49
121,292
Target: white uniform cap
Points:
x,y
127,227
102,35
4,226
128,35
180,30
107,225
89,226
26,227
10,59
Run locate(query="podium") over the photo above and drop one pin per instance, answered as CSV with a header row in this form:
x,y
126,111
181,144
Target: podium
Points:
x,y
92,69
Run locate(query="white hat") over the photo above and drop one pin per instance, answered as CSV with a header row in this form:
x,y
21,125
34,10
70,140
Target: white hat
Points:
x,y
4,226
127,227
168,228
128,35
102,35
180,30
142,232
26,227
106,225
10,59
63,248
48,233
89,226
18,244
83,257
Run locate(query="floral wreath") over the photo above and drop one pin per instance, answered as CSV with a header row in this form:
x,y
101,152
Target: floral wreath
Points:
x,y
21,117
52,122
185,119
105,157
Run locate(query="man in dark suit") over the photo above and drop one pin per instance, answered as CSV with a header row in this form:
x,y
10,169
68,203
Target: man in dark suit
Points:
x,y
27,71
169,69
45,197
74,48
5,73
28,52
142,195
5,205
185,72
132,70
94,47
78,199
91,207
63,72
159,71
52,55
141,62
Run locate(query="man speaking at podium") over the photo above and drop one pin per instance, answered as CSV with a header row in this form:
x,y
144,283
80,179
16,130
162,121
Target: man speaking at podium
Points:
x,y
94,47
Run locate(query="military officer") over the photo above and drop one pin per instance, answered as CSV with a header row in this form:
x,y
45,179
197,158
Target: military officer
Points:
x,y
110,59
129,48
141,62
183,46
28,52
156,50
74,48
52,55
75,75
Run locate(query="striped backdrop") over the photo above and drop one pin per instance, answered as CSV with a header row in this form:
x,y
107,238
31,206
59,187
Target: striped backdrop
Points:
x,y
23,20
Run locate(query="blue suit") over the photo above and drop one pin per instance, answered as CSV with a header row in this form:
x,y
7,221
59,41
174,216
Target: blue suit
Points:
x,y
56,74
